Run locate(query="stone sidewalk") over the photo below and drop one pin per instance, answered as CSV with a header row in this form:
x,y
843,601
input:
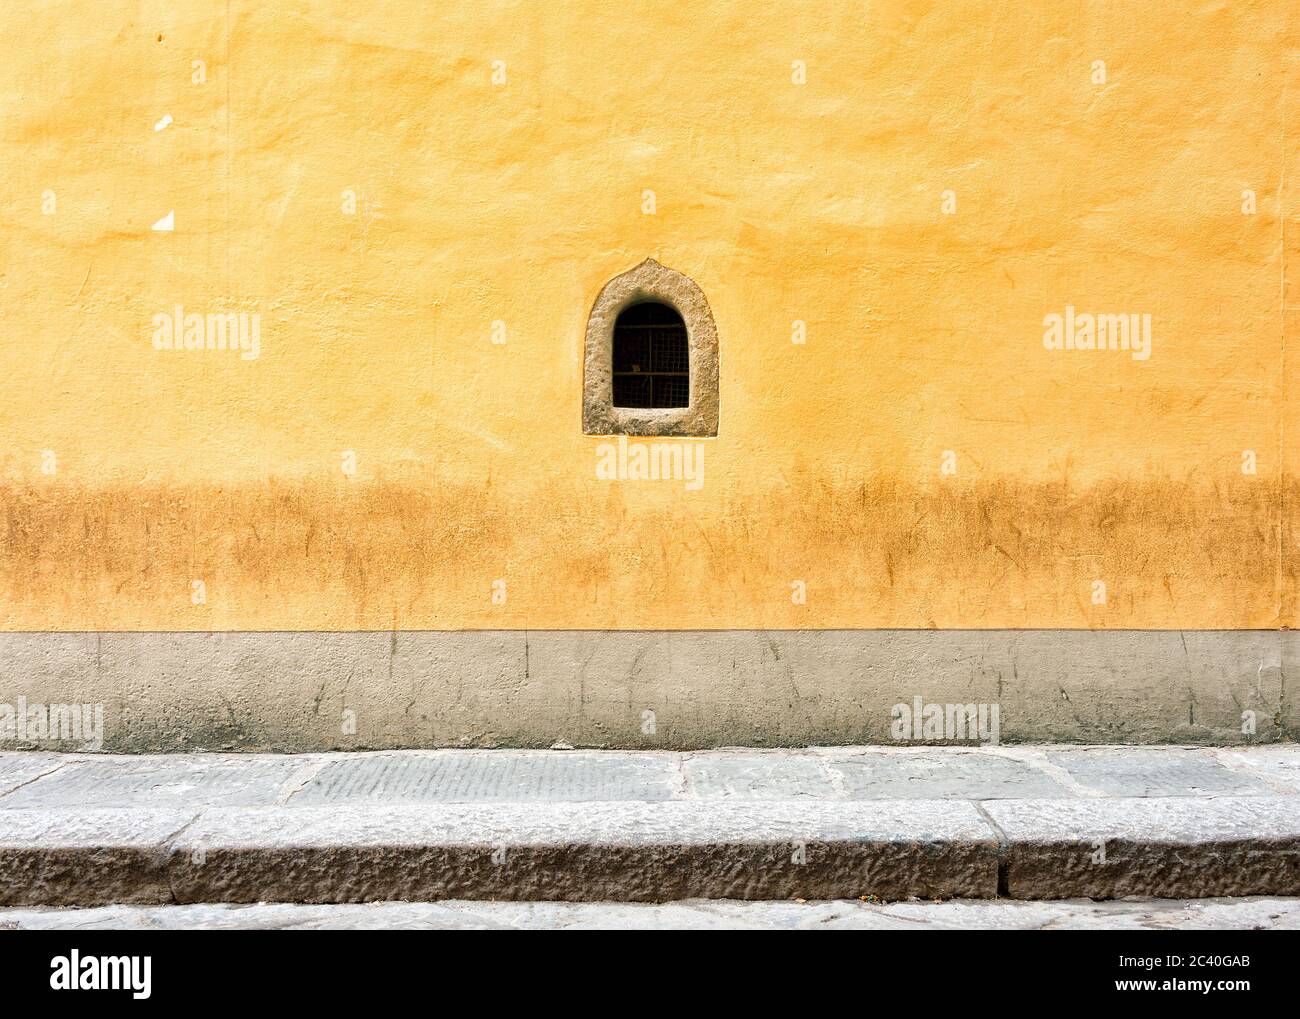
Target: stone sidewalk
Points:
x,y
1047,822
696,914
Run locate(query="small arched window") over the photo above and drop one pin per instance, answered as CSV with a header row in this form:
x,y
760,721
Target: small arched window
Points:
x,y
651,357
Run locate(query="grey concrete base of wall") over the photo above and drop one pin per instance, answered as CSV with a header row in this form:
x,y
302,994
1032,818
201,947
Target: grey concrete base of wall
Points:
x,y
307,691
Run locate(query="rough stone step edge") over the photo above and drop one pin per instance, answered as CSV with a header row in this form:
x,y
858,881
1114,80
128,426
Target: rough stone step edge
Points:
x,y
891,850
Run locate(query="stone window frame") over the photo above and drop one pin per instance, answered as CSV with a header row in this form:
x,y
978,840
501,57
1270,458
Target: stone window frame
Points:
x,y
650,281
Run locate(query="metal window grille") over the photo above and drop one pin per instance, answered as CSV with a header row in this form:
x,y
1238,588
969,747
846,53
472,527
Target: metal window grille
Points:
x,y
651,358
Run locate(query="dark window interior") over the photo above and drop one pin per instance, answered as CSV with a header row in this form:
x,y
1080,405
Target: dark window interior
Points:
x,y
651,362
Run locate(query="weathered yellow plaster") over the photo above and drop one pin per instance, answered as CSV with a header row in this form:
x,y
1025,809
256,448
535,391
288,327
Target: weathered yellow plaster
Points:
x,y
482,207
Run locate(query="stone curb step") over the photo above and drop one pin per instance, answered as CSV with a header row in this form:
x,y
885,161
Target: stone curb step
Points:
x,y
1044,822
1168,847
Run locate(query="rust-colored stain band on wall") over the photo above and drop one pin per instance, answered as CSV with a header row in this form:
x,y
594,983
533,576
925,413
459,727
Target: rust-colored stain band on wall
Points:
x,y
306,555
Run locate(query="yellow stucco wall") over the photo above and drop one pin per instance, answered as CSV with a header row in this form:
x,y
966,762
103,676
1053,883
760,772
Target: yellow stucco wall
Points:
x,y
129,472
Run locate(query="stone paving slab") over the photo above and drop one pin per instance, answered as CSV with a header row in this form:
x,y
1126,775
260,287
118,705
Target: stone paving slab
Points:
x,y
186,781
698,914
493,776
1278,767
884,775
939,775
1142,771
759,777
19,769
